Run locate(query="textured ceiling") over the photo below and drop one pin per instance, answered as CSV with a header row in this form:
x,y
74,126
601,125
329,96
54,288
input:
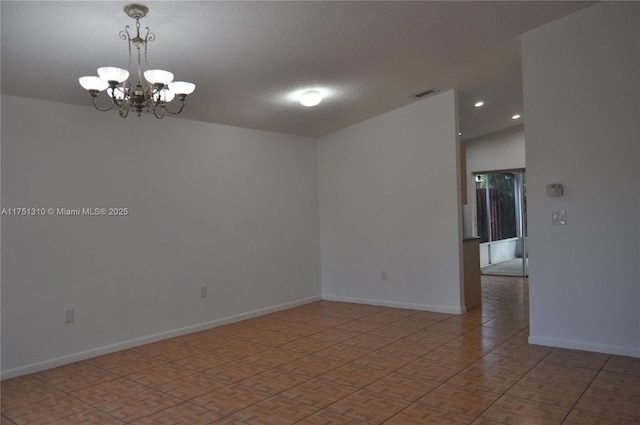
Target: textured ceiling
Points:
x,y
247,57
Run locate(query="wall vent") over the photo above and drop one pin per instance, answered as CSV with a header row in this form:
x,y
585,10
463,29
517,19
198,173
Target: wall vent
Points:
x,y
426,93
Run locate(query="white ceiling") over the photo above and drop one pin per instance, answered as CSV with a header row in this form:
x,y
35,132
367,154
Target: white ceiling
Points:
x,y
247,57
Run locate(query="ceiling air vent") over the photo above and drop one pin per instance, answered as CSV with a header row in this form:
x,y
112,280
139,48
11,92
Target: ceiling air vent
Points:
x,y
425,93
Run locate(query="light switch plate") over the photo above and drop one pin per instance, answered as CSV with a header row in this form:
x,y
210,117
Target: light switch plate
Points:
x,y
559,217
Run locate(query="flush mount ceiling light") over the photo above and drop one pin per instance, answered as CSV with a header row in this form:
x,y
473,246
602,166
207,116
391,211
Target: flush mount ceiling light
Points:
x,y
310,98
515,117
479,104
153,93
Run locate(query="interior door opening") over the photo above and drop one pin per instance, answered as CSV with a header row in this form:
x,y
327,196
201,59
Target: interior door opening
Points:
x,y
501,222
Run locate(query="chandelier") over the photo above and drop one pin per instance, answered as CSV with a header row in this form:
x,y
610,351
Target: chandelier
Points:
x,y
153,93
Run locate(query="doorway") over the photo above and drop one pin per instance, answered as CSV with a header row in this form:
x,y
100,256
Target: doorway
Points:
x,y
501,222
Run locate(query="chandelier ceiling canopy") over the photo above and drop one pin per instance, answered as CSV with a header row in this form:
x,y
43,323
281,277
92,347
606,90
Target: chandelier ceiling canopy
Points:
x,y
152,93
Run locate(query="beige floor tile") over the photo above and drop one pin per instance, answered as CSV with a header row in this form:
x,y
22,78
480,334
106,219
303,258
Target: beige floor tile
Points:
x,y
228,421
516,411
139,405
577,358
306,346
422,414
324,417
318,393
622,364
311,366
522,349
45,410
359,326
402,386
25,390
89,417
182,414
429,369
562,395
156,376
617,383
411,349
192,386
456,355
467,401
274,381
236,370
240,349
392,331
368,406
484,380
106,392
602,402
274,338
301,330
502,364
275,411
202,361
384,361
75,376
230,399
336,335
273,357
125,362
353,376
560,374
581,417
481,421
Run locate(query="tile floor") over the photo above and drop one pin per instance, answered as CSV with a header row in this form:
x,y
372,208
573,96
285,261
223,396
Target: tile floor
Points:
x,y
335,363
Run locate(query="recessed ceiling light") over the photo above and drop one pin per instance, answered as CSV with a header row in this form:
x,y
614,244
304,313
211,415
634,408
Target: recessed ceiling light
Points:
x,y
310,98
479,103
459,134
515,117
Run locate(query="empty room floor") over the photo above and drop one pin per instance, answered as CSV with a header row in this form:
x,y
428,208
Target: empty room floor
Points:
x,y
335,363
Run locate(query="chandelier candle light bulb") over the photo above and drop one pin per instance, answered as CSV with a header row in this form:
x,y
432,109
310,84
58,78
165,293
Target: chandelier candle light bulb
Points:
x,y
153,94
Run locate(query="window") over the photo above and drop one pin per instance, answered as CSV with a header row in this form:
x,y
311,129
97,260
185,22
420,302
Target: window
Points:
x,y
498,208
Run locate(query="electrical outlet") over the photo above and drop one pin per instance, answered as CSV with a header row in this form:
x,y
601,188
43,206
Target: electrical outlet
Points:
x,y
385,275
203,292
69,316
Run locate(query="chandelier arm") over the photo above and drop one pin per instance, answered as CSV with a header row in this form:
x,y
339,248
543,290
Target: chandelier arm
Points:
x,y
93,99
125,36
147,38
155,113
123,111
166,108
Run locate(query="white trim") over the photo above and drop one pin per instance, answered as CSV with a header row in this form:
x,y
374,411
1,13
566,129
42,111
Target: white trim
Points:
x,y
397,304
585,346
83,355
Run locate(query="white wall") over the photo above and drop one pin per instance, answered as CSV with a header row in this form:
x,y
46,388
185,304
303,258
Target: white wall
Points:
x,y
582,108
232,209
503,150
389,201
